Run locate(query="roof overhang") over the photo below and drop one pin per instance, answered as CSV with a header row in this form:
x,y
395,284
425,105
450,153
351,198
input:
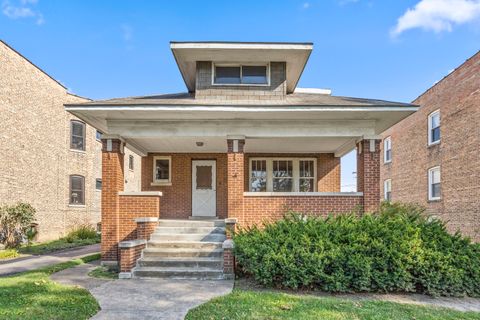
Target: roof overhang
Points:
x,y
188,53
283,128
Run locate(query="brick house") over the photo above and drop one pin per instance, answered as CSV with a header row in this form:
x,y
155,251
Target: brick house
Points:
x,y
243,144
432,157
49,158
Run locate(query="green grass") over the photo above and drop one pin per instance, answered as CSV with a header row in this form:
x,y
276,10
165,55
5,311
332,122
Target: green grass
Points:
x,y
56,245
32,295
103,273
256,305
8,254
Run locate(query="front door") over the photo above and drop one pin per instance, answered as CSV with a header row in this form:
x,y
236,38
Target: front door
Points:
x,y
204,194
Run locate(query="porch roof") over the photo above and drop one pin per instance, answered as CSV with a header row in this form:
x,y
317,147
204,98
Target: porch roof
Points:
x,y
301,123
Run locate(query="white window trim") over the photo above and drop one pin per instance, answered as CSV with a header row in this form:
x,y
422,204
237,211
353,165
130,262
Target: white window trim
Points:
x,y
162,182
221,64
386,183
430,182
295,172
385,160
430,116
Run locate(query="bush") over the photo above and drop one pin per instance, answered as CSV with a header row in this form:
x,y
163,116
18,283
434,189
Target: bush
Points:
x,y
8,254
81,232
397,249
15,221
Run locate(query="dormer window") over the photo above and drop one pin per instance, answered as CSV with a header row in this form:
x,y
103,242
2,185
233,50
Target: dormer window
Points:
x,y
240,74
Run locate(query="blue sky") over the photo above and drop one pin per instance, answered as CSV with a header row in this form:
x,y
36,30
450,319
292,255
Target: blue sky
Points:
x,y
390,50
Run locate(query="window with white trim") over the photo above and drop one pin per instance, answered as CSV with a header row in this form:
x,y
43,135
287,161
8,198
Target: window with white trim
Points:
x,y
283,174
98,184
77,190
387,150
162,170
387,190
77,135
434,127
130,162
434,184
228,74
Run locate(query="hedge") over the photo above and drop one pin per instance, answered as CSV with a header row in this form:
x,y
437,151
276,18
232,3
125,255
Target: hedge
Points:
x,y
397,249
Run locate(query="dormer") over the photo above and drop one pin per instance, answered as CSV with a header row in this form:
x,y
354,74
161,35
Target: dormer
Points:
x,y
241,70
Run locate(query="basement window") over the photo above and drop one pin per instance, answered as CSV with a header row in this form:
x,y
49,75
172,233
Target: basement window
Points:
x,y
434,184
240,74
162,170
282,174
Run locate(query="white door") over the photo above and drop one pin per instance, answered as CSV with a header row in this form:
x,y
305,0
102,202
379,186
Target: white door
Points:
x,y
204,183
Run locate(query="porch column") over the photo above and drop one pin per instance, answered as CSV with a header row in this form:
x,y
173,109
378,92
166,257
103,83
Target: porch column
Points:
x,y
368,173
235,177
112,183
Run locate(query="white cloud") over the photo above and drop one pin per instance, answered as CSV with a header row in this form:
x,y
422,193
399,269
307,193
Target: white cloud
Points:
x,y
306,5
22,9
437,15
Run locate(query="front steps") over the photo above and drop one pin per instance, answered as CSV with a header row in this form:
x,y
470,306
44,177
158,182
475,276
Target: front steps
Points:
x,y
184,249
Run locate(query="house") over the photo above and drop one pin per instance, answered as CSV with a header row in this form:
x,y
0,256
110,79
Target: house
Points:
x,y
432,157
243,144
49,158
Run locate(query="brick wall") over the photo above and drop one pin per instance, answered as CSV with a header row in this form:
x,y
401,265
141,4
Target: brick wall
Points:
x,y
205,90
368,174
177,198
256,209
457,97
132,207
35,158
129,257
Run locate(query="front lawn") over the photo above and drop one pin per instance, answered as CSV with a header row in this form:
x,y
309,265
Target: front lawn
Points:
x,y
56,245
254,305
32,295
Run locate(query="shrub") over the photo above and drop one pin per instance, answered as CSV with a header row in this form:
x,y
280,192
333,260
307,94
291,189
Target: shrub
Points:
x,y
81,232
8,254
398,249
15,221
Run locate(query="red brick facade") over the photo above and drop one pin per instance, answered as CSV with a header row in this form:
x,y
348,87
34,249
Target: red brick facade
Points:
x,y
129,257
368,173
132,207
457,96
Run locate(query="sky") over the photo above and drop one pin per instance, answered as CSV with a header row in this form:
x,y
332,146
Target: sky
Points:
x,y
387,49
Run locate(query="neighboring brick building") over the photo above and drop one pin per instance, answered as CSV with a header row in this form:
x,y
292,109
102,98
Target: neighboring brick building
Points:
x,y
36,154
242,143
435,152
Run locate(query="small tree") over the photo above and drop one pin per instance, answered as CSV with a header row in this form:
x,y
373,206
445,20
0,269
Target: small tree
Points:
x,y
15,221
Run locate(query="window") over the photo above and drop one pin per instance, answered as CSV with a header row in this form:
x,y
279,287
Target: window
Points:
x,y
77,190
98,184
130,162
282,175
387,190
77,135
434,127
162,170
242,75
434,184
98,135
387,150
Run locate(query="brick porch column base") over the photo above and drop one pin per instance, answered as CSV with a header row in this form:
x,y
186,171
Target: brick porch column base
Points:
x,y
228,259
145,227
130,252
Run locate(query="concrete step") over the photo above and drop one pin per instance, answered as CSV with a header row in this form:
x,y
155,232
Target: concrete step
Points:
x,y
174,230
178,273
181,252
185,244
182,262
191,223
208,237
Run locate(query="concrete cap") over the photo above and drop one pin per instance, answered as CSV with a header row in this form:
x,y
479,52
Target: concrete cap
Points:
x,y
132,243
140,193
228,244
125,275
146,219
231,221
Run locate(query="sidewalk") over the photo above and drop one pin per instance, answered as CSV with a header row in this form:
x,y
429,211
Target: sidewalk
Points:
x,y
35,262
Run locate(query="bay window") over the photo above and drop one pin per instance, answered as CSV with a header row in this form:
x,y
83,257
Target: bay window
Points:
x,y
282,175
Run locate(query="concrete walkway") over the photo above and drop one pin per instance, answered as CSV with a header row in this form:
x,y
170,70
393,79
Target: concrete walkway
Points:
x,y
34,262
144,298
